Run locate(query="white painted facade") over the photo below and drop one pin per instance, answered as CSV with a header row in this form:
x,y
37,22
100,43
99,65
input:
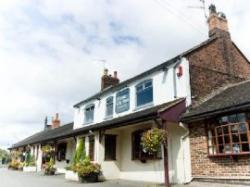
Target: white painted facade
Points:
x,y
164,90
167,86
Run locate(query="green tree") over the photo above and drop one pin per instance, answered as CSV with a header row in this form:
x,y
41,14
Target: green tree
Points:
x,y
80,153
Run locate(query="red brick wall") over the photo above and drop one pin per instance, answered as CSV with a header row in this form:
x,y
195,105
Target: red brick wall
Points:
x,y
203,166
215,65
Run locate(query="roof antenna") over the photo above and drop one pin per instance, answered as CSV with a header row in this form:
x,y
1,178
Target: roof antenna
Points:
x,y
202,7
103,61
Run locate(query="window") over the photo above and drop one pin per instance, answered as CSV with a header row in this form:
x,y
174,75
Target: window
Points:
x,y
61,151
110,147
92,147
89,114
144,93
109,106
122,101
137,150
231,136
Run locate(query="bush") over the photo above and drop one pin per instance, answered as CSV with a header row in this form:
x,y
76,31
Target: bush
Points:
x,y
15,165
29,160
88,171
49,167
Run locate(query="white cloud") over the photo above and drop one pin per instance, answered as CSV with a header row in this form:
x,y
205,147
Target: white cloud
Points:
x,y
48,50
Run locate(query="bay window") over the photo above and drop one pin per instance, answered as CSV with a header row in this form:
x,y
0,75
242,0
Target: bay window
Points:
x,y
231,136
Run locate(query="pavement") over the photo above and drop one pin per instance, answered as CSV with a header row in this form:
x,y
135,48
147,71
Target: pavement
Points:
x,y
9,178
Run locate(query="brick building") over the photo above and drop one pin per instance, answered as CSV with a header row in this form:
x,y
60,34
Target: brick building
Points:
x,y
210,141
218,120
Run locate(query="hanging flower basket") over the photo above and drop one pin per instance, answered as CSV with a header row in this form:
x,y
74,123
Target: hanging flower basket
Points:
x,y
152,140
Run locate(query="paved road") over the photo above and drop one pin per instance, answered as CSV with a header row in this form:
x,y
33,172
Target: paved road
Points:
x,y
10,178
19,179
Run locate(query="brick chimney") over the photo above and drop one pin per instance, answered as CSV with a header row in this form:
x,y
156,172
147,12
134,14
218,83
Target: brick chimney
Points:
x,y
109,80
56,121
217,23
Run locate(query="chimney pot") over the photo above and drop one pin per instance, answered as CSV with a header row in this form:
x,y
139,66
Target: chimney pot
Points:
x,y
217,22
56,121
109,80
115,74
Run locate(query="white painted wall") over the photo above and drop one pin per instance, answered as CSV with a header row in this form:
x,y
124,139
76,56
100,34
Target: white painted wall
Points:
x,y
163,91
71,146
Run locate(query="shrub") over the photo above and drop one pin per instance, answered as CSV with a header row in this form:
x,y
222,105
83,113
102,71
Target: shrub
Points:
x,y
85,168
49,167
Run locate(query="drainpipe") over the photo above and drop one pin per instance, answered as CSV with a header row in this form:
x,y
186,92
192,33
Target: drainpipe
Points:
x,y
165,151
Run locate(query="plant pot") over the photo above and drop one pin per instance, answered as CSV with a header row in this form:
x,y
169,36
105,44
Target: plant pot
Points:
x,y
91,178
29,169
49,172
71,176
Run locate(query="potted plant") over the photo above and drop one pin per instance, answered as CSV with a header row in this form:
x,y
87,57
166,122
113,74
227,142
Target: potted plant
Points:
x,y
152,140
87,171
49,168
14,165
29,164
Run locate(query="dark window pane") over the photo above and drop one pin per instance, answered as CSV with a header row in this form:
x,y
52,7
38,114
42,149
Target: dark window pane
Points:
x,y
225,130
243,137
245,147
219,131
220,139
110,147
226,139
221,149
91,147
235,138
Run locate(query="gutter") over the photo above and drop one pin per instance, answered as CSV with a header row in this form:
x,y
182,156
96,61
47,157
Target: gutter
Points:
x,y
209,114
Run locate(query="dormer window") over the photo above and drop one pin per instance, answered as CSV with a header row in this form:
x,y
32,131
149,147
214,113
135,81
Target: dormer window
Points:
x,y
109,106
144,93
89,113
122,100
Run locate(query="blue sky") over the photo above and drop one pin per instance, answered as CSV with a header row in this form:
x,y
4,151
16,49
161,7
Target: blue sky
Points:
x,y
49,50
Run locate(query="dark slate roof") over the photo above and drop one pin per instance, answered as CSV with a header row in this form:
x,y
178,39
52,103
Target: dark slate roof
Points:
x,y
162,66
136,117
235,97
46,135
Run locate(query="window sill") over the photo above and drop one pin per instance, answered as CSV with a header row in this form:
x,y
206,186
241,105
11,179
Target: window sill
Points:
x,y
108,118
88,123
229,155
144,106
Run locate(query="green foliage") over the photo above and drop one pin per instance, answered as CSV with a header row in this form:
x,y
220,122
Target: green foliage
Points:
x,y
50,167
78,156
152,140
86,168
80,152
4,156
29,160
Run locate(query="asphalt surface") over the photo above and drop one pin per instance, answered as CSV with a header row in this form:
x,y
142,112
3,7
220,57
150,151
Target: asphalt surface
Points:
x,y
9,178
